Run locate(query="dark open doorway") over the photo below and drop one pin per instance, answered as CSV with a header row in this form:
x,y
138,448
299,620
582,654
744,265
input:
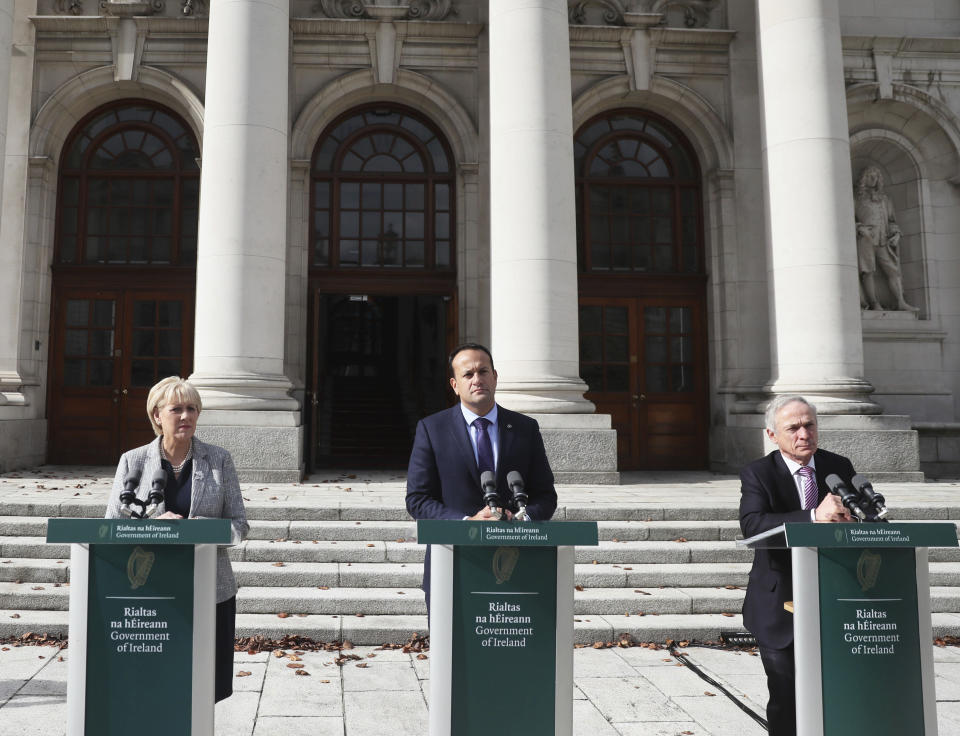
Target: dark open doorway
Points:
x,y
378,366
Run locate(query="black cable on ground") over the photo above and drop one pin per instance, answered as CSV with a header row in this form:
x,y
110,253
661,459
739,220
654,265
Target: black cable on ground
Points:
x,y
683,659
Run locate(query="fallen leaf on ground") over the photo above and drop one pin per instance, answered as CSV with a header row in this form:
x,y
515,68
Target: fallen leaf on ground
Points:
x,y
244,673
302,672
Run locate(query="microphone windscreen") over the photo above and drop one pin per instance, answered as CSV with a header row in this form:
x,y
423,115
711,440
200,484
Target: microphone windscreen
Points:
x,y
488,479
131,481
515,480
834,483
159,480
859,481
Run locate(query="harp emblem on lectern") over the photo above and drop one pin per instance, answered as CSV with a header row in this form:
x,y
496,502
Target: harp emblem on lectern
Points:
x,y
504,560
868,569
139,565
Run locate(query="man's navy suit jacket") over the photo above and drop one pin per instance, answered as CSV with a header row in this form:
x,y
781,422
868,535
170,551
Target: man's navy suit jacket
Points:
x,y
443,480
769,498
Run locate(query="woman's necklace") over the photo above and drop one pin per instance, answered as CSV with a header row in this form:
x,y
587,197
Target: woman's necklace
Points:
x,y
186,458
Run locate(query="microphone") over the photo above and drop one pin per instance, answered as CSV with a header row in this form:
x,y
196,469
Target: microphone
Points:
x,y
488,482
873,499
155,500
128,496
515,481
848,497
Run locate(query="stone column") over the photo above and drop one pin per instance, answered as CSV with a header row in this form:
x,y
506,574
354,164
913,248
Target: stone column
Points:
x,y
6,54
11,238
533,249
241,267
814,292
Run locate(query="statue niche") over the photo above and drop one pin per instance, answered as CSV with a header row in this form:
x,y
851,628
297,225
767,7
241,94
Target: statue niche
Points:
x,y
878,242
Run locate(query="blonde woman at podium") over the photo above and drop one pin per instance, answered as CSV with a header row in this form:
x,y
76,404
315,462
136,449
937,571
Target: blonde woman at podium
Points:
x,y
179,477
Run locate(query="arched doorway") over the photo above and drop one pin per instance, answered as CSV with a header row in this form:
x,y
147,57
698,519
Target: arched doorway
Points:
x,y
123,276
642,284
382,284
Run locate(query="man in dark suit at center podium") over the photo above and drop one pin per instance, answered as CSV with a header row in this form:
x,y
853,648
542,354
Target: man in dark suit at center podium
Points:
x,y
454,446
788,485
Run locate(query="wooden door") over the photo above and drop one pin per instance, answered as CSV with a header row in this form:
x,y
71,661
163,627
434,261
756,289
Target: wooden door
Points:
x,y
645,363
85,378
109,347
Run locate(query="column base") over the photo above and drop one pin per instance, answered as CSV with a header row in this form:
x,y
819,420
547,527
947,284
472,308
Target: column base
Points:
x,y
549,396
23,443
883,447
830,396
267,446
245,391
582,448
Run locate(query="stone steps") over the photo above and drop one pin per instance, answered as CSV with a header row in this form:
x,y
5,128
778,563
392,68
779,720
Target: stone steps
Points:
x,y
353,570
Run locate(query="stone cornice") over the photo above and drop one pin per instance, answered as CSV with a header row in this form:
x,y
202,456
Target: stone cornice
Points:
x,y
106,24
660,36
902,45
363,27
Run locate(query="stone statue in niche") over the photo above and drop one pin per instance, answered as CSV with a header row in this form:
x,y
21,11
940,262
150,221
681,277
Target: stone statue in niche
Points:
x,y
878,241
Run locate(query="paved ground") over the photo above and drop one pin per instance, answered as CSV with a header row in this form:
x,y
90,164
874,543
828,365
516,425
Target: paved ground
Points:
x,y
617,692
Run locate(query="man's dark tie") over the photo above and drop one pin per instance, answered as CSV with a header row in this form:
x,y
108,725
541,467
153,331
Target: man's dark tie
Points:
x,y
484,446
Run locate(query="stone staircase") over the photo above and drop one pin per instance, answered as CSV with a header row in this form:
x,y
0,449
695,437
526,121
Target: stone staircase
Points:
x,y
353,572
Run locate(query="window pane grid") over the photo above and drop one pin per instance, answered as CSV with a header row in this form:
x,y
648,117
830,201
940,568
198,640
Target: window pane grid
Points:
x,y
129,190
89,342
668,349
379,201
638,207
605,348
156,347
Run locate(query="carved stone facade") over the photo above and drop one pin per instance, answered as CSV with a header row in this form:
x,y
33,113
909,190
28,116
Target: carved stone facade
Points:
x,y
691,67
400,10
682,13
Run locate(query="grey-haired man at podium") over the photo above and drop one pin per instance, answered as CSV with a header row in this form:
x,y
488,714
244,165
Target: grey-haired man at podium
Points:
x,y
788,485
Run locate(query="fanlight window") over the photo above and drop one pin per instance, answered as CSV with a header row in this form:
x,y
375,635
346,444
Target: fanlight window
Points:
x,y
382,193
129,189
638,188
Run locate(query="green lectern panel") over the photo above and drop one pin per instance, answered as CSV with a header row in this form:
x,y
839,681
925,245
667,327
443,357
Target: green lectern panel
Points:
x,y
872,678
504,640
140,618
